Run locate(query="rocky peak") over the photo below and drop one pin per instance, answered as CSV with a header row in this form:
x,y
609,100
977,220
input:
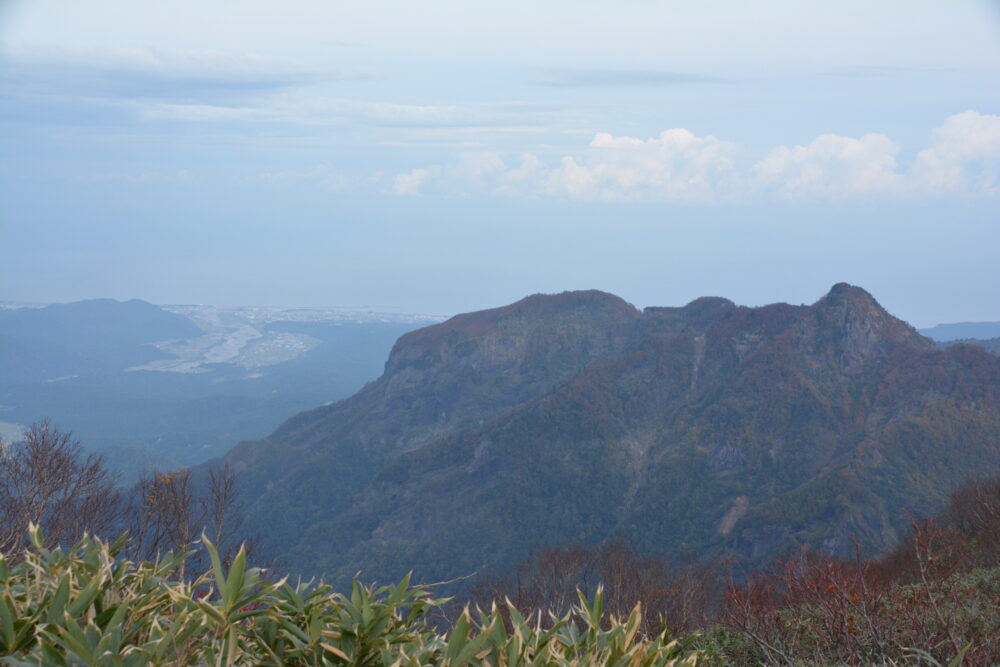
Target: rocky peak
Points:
x,y
844,295
862,329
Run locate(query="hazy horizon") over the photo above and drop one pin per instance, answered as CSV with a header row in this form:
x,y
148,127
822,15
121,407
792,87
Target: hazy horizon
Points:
x,y
376,309
452,156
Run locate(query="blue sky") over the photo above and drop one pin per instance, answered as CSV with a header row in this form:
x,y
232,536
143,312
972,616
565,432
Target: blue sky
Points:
x,y
447,156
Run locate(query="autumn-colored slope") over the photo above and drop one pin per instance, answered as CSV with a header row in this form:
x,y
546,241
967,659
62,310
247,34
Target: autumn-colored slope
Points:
x,y
697,431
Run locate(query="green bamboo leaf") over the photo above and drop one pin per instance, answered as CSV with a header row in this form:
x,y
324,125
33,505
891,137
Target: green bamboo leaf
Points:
x,y
471,649
265,645
514,651
293,629
459,637
234,583
57,606
957,660
8,615
293,595
401,591
517,620
110,642
187,627
136,659
118,618
597,611
335,651
212,612
84,598
73,639
217,571
52,655
355,592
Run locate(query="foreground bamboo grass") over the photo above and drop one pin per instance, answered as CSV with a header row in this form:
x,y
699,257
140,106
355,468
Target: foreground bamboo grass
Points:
x,y
86,605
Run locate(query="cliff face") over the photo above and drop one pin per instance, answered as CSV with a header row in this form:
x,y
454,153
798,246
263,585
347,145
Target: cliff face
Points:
x,y
478,364
696,431
438,381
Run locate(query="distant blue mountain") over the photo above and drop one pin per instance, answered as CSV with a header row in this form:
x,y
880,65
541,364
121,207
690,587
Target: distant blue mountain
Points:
x,y
962,331
84,338
68,363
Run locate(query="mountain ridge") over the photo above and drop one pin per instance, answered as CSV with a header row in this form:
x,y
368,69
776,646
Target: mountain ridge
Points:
x,y
575,417
955,331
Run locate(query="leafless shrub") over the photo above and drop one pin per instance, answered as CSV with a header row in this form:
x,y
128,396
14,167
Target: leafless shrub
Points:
x,y
46,478
679,598
812,607
819,610
169,511
974,511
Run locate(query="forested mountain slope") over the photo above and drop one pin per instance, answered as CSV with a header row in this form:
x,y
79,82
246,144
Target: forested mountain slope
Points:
x,y
711,429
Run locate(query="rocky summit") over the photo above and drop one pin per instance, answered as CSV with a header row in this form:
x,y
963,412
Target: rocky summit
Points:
x,y
709,430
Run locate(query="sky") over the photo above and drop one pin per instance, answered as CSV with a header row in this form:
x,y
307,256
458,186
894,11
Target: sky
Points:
x,y
445,156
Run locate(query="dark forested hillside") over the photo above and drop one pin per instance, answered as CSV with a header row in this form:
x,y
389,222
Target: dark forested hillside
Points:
x,y
989,344
701,431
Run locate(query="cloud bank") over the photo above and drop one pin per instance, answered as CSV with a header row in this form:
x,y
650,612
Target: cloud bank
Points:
x,y
963,159
219,87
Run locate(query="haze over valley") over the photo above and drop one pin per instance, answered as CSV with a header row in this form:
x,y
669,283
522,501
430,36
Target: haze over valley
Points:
x,y
489,333
165,387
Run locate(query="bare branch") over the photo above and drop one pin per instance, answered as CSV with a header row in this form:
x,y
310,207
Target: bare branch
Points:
x,y
48,479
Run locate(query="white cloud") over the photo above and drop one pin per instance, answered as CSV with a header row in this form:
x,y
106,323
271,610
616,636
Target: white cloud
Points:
x,y
409,184
963,158
522,179
831,167
468,173
675,166
679,166
479,164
